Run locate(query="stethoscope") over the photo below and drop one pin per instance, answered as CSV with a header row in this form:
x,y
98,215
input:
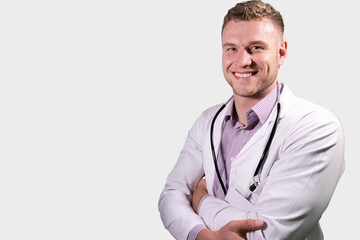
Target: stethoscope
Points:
x,y
263,156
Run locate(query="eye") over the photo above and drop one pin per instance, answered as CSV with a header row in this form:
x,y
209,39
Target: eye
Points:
x,y
256,48
231,49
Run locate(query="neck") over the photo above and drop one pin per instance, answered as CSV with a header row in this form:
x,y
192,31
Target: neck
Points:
x,y
244,104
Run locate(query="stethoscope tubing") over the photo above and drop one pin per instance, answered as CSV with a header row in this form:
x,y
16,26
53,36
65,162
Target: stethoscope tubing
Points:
x,y
263,156
213,148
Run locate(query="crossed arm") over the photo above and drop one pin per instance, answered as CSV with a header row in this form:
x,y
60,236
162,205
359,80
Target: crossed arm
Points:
x,y
234,230
293,196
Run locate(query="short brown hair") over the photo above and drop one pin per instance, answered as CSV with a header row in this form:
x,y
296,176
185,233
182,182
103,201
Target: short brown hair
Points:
x,y
254,10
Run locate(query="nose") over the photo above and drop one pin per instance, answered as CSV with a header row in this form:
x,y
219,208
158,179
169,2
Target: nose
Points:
x,y
242,59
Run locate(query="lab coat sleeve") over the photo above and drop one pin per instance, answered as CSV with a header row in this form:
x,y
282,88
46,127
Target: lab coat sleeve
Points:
x,y
175,200
298,187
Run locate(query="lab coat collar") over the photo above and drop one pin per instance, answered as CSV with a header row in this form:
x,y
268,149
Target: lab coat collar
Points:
x,y
287,100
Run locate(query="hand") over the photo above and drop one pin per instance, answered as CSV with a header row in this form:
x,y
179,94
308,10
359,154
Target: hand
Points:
x,y
234,230
199,192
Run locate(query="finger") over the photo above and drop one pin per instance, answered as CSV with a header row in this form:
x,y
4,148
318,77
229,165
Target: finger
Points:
x,y
202,183
248,225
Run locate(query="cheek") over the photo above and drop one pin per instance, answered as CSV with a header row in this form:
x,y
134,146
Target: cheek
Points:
x,y
226,62
261,59
265,62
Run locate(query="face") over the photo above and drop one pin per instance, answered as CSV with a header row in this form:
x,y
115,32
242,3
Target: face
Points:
x,y
252,53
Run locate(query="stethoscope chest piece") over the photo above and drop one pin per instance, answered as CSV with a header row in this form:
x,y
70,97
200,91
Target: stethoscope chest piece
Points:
x,y
254,186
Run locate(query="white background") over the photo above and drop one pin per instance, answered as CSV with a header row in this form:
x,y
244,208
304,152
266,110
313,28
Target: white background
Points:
x,y
96,99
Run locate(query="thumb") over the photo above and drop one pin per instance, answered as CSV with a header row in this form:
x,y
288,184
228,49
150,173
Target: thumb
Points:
x,y
243,226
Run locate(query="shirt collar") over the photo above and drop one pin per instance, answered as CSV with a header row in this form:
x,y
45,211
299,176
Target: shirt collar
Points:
x,y
262,109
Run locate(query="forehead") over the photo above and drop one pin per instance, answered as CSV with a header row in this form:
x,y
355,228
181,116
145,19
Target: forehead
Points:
x,y
254,30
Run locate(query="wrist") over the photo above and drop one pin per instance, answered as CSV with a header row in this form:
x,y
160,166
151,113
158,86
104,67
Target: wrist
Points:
x,y
198,200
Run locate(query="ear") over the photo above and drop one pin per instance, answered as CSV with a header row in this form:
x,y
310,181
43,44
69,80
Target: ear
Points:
x,y
282,52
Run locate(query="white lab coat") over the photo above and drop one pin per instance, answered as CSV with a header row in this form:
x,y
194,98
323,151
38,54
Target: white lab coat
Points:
x,y
305,163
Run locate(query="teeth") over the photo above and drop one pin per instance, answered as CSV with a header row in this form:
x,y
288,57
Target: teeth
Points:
x,y
243,75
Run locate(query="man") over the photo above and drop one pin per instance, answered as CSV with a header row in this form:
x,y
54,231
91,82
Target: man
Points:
x,y
278,157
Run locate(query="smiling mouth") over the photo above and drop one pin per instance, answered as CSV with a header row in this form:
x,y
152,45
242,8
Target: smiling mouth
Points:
x,y
244,75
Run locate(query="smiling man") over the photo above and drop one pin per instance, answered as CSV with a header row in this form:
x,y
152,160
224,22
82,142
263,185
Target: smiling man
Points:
x,y
252,53
265,164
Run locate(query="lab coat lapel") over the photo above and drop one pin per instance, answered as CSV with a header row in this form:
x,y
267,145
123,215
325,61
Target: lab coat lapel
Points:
x,y
219,127
208,158
265,130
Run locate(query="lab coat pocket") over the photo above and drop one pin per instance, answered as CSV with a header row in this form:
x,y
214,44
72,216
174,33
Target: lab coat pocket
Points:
x,y
241,186
254,196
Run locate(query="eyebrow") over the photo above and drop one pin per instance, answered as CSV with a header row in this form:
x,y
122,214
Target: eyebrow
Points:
x,y
258,42
228,45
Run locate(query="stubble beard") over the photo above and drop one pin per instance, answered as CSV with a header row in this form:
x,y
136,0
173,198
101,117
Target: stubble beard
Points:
x,y
258,91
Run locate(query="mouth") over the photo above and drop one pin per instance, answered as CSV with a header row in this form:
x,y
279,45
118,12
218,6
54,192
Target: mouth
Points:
x,y
244,74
